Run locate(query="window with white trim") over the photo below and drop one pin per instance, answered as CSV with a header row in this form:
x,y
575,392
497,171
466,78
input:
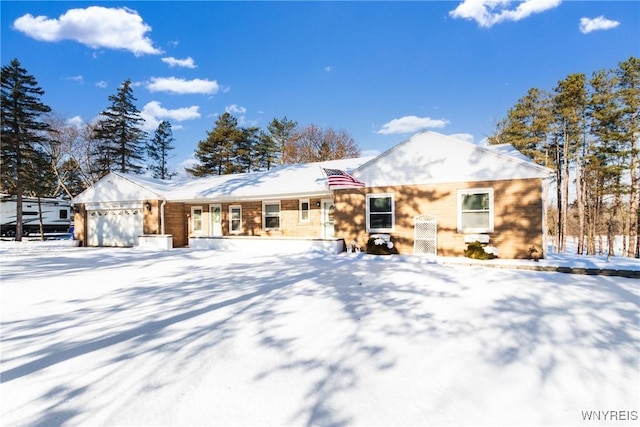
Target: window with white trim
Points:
x,y
235,219
196,219
271,215
381,215
475,210
304,210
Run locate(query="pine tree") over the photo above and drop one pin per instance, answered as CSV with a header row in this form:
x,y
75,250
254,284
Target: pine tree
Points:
x,y
158,149
247,158
216,154
121,140
527,127
629,93
604,160
22,130
274,141
569,107
595,134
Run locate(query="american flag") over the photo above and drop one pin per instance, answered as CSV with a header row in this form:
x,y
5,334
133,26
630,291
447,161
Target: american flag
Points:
x,y
339,178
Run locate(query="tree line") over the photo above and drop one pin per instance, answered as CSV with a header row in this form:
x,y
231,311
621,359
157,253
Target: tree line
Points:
x,y
42,155
587,130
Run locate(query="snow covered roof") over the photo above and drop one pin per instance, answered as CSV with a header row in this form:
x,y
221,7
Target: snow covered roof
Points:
x,y
307,179
295,180
430,158
121,187
425,158
509,150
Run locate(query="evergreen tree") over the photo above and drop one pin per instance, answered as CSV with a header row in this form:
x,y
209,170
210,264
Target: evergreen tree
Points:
x,y
22,129
216,154
594,134
628,74
527,127
273,142
247,157
158,151
603,171
121,140
569,109
71,178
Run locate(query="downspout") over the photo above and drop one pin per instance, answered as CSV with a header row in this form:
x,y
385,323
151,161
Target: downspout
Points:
x,y
545,226
164,202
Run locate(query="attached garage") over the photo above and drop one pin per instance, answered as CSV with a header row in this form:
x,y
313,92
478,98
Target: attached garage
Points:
x,y
130,212
114,227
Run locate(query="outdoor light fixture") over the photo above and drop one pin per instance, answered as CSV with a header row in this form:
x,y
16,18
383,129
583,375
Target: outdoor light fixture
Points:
x,y
148,206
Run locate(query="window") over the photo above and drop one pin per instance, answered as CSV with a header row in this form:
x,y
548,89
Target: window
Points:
x,y
235,219
196,219
475,210
64,214
271,215
304,210
380,213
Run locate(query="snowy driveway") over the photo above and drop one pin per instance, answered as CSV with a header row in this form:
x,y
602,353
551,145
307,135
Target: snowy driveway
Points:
x,y
106,337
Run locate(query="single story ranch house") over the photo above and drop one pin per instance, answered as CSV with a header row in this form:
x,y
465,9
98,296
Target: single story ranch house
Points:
x,y
431,194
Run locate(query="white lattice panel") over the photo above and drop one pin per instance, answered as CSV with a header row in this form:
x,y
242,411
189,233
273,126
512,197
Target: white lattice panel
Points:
x,y
425,235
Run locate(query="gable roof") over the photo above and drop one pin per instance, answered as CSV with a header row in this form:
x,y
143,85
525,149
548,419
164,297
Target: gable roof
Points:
x,y
430,157
424,158
286,181
120,187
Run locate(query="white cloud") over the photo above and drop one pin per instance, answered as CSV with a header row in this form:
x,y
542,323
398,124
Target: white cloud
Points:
x,y
101,84
153,113
410,124
78,79
76,122
239,113
588,25
182,86
328,69
175,62
490,12
95,26
235,109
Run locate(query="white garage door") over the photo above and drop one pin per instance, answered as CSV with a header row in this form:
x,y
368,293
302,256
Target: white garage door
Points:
x,y
114,227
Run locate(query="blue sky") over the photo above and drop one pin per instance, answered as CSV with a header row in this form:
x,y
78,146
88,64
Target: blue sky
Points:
x,y
379,70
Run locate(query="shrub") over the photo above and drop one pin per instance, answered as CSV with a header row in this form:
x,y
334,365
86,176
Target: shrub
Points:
x,y
475,250
380,245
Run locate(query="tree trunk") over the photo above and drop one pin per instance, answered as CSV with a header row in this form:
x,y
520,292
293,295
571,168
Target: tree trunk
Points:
x,y
580,199
634,201
565,189
40,217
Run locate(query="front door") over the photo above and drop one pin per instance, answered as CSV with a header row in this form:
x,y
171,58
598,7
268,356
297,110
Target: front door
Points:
x,y
215,213
327,220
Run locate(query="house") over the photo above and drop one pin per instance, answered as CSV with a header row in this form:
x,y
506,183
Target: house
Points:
x,y
291,203
430,193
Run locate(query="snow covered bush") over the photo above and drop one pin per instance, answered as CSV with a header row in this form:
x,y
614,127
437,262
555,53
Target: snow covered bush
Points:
x,y
353,247
475,250
380,244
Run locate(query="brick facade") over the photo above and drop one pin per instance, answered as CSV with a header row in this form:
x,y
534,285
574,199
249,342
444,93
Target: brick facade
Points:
x,y
290,223
518,215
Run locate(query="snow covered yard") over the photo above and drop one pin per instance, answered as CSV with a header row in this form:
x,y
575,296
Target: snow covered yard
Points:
x,y
105,337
